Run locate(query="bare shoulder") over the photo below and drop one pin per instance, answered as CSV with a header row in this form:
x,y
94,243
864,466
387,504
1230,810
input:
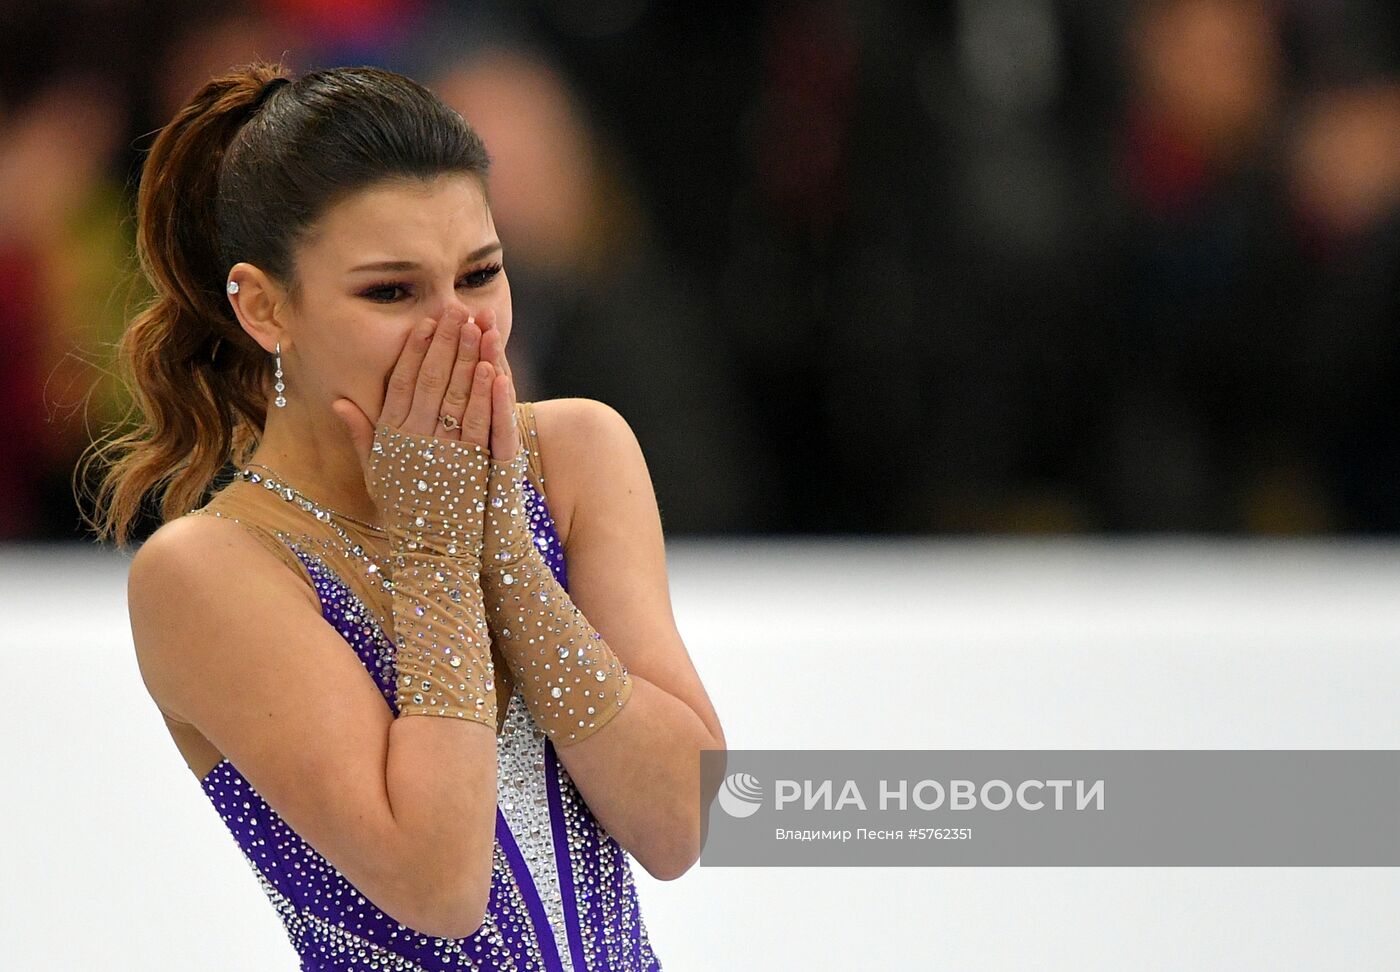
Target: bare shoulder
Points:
x,y
177,554
580,441
195,549
188,563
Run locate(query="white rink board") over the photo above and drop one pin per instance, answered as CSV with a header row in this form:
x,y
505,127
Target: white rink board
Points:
x,y
116,860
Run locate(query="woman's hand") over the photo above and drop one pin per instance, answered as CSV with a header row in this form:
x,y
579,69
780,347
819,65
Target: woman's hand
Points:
x,y
505,437
444,368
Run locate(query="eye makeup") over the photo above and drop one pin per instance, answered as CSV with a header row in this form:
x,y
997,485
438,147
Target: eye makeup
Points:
x,y
377,292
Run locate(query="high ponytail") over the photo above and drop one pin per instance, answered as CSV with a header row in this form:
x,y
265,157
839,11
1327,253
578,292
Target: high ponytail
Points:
x,y
240,172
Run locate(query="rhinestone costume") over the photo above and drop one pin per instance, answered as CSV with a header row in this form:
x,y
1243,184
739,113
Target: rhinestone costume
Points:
x,y
572,682
434,492
562,893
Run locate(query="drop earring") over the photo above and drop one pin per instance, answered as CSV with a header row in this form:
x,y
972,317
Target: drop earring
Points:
x,y
280,401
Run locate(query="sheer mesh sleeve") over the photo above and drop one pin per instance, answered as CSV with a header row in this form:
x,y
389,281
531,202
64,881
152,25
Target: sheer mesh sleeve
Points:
x,y
572,682
432,493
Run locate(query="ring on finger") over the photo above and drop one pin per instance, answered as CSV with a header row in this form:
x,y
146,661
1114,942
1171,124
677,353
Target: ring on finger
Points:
x,y
449,422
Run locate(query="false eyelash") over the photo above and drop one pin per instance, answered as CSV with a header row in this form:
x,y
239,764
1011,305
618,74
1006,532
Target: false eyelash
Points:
x,y
491,270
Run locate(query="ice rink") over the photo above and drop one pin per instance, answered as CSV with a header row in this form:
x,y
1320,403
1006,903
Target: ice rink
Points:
x,y
940,644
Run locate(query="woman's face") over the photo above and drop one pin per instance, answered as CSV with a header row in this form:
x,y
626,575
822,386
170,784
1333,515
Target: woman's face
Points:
x,y
375,265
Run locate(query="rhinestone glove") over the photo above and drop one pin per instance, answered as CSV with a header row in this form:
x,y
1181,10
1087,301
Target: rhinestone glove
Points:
x,y
432,494
570,679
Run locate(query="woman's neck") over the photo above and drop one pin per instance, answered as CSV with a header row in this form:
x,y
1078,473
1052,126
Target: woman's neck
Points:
x,y
318,459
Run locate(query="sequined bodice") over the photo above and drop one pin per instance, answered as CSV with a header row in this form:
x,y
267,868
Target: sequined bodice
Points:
x,y
562,891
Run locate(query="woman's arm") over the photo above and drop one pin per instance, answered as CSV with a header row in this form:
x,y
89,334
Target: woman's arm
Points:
x,y
640,772
227,639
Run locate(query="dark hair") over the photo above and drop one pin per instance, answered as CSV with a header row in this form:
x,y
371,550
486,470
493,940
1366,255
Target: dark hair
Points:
x,y
241,173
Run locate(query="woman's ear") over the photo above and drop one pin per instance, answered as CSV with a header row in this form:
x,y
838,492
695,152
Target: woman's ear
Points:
x,y
255,301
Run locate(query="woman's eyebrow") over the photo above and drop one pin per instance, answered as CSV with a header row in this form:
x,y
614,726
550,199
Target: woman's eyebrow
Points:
x,y
412,265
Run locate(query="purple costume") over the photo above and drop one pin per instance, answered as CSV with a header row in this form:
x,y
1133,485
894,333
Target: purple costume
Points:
x,y
562,892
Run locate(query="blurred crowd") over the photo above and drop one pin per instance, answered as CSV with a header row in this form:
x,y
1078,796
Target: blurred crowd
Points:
x,y
846,267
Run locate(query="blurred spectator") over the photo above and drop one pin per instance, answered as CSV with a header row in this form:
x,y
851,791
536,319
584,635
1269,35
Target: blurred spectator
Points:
x,y
1345,190
63,256
992,265
1195,371
602,310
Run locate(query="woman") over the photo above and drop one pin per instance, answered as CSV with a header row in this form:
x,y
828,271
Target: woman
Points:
x,y
332,315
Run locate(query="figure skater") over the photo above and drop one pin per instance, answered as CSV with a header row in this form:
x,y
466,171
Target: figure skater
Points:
x,y
378,647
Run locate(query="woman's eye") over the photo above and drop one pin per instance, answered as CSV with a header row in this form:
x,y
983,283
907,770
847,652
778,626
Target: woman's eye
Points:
x,y
480,278
382,295
390,293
